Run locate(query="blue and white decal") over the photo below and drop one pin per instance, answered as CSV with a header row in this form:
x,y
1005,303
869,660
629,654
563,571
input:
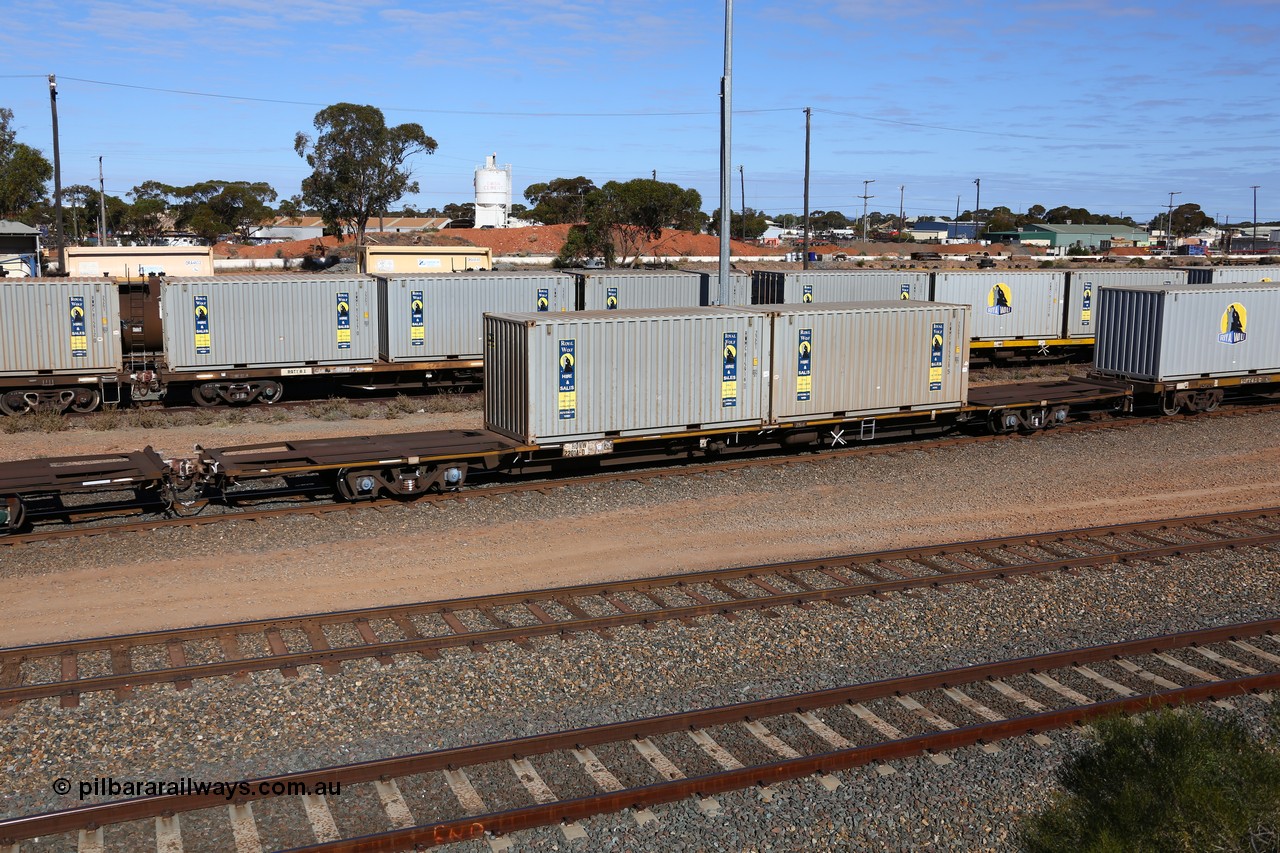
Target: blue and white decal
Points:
x,y
804,365
568,398
729,371
79,338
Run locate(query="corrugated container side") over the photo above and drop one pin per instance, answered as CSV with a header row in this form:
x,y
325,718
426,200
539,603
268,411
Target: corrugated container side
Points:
x,y
1203,332
593,375
1007,305
612,290
448,320
1127,340
868,358
269,321
1245,274
1083,286
1198,275
796,287
59,326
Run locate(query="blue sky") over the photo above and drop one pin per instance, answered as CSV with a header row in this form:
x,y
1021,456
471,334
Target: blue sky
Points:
x,y
1105,105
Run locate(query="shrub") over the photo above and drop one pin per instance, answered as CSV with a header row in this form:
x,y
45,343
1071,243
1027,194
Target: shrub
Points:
x,y
1164,782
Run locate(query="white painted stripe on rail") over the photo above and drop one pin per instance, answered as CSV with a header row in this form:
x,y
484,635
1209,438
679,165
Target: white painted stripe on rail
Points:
x,y
889,730
667,769
1114,686
936,720
1196,672
90,841
1062,689
1147,675
1015,695
466,793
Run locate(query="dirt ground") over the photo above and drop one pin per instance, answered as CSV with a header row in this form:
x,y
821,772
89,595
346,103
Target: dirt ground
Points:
x,y
117,584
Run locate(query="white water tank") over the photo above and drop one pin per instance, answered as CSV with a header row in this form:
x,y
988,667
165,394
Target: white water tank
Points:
x,y
493,194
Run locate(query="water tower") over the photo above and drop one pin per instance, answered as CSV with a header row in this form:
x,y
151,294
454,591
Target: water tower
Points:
x,y
493,194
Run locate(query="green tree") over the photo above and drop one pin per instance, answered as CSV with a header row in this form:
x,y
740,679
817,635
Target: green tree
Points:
x,y
559,201
358,164
147,217
24,171
466,210
586,241
636,211
1164,783
755,224
214,208
1187,219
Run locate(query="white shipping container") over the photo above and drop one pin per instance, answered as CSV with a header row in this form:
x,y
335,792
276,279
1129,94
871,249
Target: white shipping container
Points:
x,y
796,287
442,316
1082,293
611,290
1008,304
269,321
1188,332
555,378
59,326
868,358
1245,274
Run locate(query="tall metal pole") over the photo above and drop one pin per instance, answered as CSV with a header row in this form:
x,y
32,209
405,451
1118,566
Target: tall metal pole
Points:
x,y
726,138
102,206
902,210
1254,245
977,205
808,116
57,178
1169,222
865,184
743,178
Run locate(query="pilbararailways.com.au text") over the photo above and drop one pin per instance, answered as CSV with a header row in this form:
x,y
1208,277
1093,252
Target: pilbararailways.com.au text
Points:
x,y
109,786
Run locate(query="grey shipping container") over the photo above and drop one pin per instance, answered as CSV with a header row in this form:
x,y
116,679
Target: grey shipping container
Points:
x,y
59,326
795,287
868,358
1245,274
269,321
1188,331
555,378
1197,275
1082,293
442,316
1007,305
610,290
709,288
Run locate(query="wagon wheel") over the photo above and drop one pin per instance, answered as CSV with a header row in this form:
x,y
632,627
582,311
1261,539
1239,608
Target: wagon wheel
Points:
x,y
271,392
14,403
17,514
85,400
202,397
1212,402
1170,404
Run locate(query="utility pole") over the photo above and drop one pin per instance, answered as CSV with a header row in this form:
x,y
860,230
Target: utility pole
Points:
x,y
655,174
726,137
102,206
743,178
977,205
954,230
57,178
1169,222
902,210
808,116
1254,245
865,184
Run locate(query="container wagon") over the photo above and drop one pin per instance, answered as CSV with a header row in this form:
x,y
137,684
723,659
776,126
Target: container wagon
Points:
x,y
1188,343
1018,309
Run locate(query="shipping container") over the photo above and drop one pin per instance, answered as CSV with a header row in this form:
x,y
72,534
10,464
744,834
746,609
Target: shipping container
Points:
x,y
131,262
1082,292
610,290
709,288
1188,331
59,326
556,378
795,287
1197,275
269,321
1008,304
442,316
1245,274
868,358
423,260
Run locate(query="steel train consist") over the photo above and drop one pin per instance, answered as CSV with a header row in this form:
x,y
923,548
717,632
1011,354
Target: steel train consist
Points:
x,y
74,344
587,390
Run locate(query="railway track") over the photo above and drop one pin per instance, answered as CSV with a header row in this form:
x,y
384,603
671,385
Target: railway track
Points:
x,y
73,522
70,669
493,789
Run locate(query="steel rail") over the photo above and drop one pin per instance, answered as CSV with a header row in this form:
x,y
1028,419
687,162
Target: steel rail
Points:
x,y
124,811
10,695
673,470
